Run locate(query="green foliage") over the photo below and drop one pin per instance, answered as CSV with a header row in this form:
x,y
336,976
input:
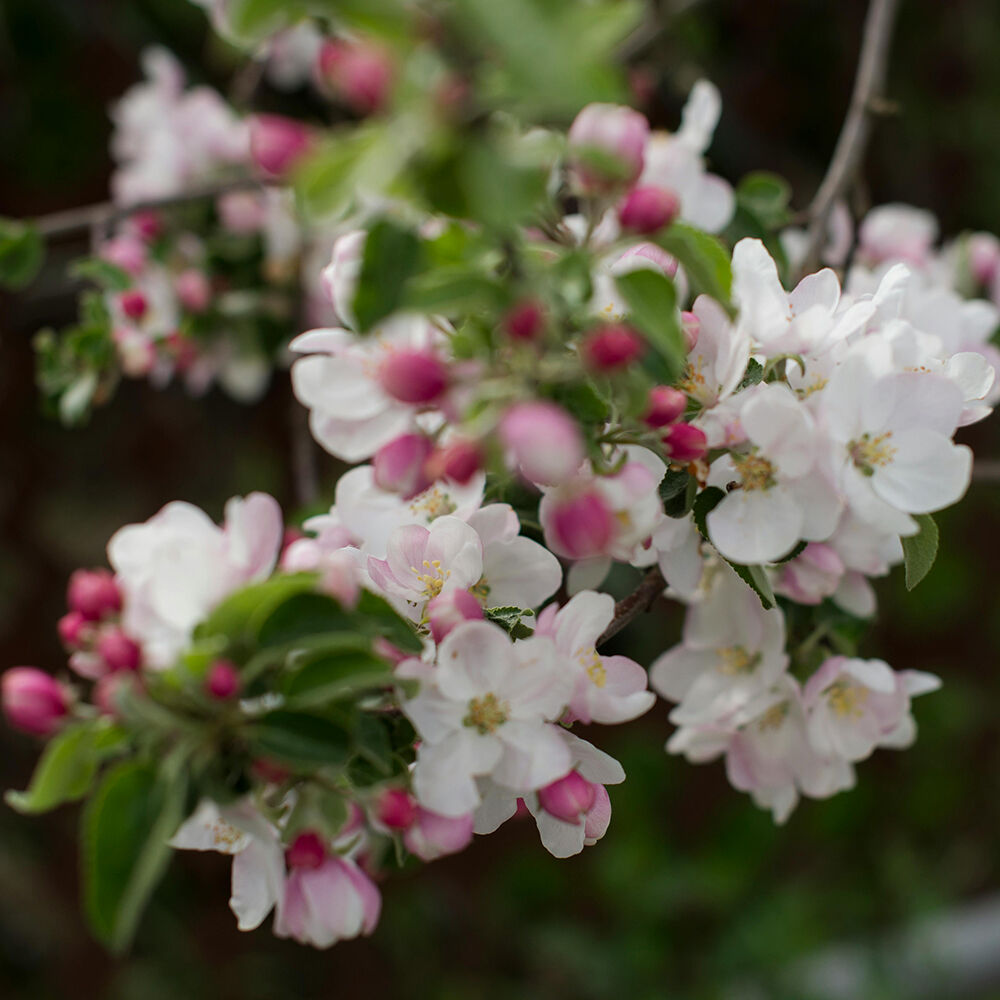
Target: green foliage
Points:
x,y
299,739
767,196
22,253
920,550
125,829
704,258
391,257
652,303
335,676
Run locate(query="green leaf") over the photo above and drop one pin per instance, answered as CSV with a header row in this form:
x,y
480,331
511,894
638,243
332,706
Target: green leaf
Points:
x,y
299,738
652,302
391,257
126,826
22,252
920,550
452,289
335,677
379,619
767,196
240,615
101,272
509,618
704,258
64,773
300,616
754,375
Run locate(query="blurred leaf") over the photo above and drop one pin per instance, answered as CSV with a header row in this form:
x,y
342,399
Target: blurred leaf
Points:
x,y
299,738
379,618
126,826
391,257
334,677
754,375
920,550
240,616
101,272
22,252
652,303
767,196
64,773
704,259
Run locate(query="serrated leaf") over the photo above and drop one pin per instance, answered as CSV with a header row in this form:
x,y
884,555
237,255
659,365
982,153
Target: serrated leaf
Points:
x,y
920,550
652,303
754,375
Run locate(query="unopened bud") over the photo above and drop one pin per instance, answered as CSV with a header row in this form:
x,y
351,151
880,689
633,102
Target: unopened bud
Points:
x,y
396,809
119,651
611,347
542,441
580,526
72,629
360,73
647,210
413,376
133,304
307,850
524,321
193,289
278,143
398,467
666,406
458,460
33,701
684,443
93,593
607,145
223,680
450,609
568,799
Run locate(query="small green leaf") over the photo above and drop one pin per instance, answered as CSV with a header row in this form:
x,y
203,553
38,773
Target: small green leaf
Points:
x,y
22,252
652,302
391,257
64,773
754,375
125,829
704,259
101,272
509,618
767,196
299,738
920,550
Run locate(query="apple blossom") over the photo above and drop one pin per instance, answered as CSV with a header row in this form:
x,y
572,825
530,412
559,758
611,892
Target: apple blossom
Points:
x,y
33,701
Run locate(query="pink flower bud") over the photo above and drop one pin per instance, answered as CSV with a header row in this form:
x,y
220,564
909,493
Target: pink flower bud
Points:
x,y
666,405
607,144
524,321
147,223
568,799
598,816
647,210
193,289
183,349
450,609
223,680
94,593
984,257
580,526
396,809
269,771
542,441
127,252
611,347
133,304
684,443
119,651
360,74
241,211
399,465
72,629
278,143
432,836
458,460
307,850
413,376
33,701
690,327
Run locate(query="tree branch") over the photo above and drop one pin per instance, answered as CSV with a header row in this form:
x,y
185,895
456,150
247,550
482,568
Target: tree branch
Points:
x,y
107,214
866,100
639,601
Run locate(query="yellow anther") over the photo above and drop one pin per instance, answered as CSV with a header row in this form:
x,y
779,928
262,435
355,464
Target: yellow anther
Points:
x,y
846,697
756,472
486,713
869,453
736,660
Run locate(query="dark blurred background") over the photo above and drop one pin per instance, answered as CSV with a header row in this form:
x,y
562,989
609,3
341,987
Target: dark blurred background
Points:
x,y
694,893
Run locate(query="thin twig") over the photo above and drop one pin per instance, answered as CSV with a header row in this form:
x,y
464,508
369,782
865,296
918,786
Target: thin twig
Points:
x,y
866,99
106,214
640,600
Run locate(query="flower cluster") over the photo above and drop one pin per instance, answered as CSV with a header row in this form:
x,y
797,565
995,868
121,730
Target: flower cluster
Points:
x,y
559,367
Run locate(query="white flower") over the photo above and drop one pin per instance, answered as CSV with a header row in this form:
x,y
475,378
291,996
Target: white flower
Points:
x,y
350,414
856,705
891,433
258,855
897,232
677,544
488,712
608,689
177,566
731,650
718,360
780,494
422,563
677,162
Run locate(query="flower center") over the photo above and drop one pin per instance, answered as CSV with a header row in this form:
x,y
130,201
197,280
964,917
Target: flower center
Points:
x,y
486,713
756,472
869,453
432,578
773,718
847,698
591,662
693,381
481,591
432,503
736,660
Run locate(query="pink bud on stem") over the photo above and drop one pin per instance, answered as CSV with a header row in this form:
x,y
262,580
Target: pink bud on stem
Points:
x,y
33,701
